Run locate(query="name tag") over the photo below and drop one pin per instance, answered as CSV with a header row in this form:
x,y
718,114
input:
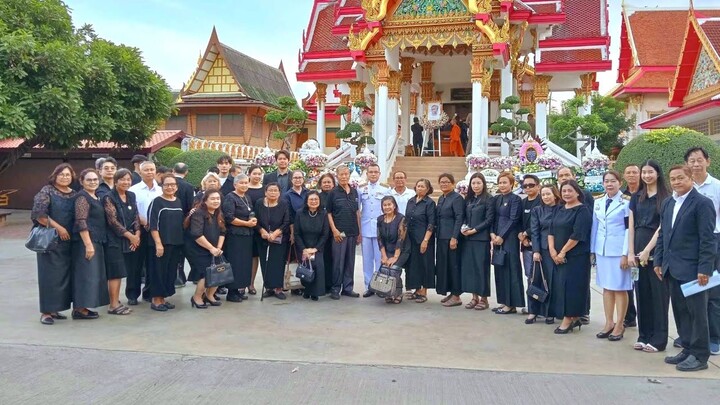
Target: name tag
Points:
x,y
527,211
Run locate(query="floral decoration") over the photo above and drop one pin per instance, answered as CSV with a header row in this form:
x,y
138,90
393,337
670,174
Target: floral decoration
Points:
x,y
549,161
502,163
365,159
435,124
315,160
461,187
265,158
477,161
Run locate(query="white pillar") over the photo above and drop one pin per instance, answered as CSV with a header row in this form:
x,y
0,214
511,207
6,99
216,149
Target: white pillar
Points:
x,y
381,121
582,111
475,125
506,90
541,110
320,134
405,112
484,123
392,119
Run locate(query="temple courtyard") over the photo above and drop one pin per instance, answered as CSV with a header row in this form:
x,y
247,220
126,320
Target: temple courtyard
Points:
x,y
347,351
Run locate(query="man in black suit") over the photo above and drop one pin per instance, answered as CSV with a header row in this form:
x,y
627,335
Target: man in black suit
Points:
x,y
281,176
185,193
224,164
685,251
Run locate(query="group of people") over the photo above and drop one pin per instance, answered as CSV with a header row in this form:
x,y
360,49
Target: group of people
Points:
x,y
641,238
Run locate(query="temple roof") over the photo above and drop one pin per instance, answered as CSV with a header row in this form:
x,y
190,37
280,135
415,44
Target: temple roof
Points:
x,y
157,141
223,72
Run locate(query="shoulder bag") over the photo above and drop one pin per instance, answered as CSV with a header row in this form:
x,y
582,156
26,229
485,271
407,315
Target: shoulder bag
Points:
x,y
538,293
218,273
384,282
498,257
305,272
42,239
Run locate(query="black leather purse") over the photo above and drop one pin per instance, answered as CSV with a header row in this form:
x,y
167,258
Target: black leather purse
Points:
x,y
305,272
42,239
218,273
537,293
498,257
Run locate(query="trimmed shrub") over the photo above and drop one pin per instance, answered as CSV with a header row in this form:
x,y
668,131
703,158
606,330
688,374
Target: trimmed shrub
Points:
x,y
165,155
198,162
668,147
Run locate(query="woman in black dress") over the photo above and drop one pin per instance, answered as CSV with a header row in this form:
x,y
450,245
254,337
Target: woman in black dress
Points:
x,y
165,217
274,229
123,237
312,231
207,229
475,248
255,192
89,279
508,221
540,222
241,222
569,246
394,243
420,215
327,184
54,206
653,296
450,215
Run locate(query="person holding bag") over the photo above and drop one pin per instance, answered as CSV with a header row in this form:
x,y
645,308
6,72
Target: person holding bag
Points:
x,y
274,228
394,245
121,252
53,207
506,253
240,219
311,234
207,229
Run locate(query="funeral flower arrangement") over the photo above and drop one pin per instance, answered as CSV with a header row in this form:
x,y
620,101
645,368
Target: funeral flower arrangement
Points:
x,y
549,161
477,161
502,163
315,160
434,124
265,158
365,159
461,187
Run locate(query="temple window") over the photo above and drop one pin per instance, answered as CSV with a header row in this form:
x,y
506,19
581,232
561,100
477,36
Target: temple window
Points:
x,y
208,125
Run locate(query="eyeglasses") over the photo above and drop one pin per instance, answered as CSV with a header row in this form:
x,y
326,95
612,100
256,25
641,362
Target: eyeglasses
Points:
x,y
529,185
170,185
445,182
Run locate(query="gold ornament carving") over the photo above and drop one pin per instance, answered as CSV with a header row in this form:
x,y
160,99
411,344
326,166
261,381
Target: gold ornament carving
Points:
x,y
542,88
477,68
383,73
372,100
427,91
413,103
438,96
636,100
586,83
345,100
406,66
375,10
526,97
480,6
486,83
428,36
355,40
426,71
357,91
495,88
394,83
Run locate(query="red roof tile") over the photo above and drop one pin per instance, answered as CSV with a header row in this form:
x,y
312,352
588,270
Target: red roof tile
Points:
x,y
654,80
658,35
543,8
157,140
712,32
322,37
578,55
313,67
582,20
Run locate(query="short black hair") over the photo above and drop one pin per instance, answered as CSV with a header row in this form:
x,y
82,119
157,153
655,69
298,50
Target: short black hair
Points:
x,y
576,187
282,152
696,149
162,170
532,177
109,159
180,168
225,158
213,169
138,159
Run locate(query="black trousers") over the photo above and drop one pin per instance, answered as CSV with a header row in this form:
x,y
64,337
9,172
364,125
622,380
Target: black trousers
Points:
x,y
714,301
135,270
653,301
447,269
343,268
631,313
691,319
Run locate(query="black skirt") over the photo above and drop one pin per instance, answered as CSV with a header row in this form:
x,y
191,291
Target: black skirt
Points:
x,y
239,252
475,267
114,263
89,279
317,287
162,277
272,263
328,264
571,287
548,268
447,269
509,277
420,269
54,275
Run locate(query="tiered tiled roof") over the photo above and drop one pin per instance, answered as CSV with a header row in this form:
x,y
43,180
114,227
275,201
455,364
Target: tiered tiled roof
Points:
x,y
157,141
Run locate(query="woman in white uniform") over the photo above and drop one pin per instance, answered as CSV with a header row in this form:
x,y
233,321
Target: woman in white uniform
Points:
x,y
609,244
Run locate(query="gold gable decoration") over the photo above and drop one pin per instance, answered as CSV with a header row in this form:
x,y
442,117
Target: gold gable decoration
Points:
x,y
219,79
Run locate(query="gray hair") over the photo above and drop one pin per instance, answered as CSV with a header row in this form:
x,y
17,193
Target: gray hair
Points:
x,y
208,176
99,162
240,177
146,163
342,168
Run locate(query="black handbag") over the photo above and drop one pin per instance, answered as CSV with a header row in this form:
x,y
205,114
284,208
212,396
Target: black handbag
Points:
x,y
305,272
42,239
218,274
535,292
498,257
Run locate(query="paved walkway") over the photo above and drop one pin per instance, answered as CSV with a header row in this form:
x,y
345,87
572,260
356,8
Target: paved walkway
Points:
x,y
330,338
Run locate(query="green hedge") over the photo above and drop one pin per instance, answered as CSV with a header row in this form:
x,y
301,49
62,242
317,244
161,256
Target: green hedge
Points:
x,y
198,162
165,155
668,147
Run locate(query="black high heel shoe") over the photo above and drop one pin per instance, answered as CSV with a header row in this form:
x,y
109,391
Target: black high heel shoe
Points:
x,y
573,325
530,321
194,304
206,300
605,335
615,338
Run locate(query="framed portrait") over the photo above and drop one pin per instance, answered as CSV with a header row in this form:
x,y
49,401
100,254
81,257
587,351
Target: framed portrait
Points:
x,y
434,111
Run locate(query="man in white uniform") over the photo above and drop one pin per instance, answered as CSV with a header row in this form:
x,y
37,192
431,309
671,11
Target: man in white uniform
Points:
x,y
370,196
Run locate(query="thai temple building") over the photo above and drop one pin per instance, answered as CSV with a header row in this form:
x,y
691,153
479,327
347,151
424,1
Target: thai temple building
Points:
x,y
400,56
672,84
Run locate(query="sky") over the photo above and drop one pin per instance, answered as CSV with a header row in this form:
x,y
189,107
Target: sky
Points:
x,y
172,34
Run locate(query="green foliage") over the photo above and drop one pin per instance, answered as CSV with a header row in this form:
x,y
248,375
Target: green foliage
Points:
x,y
299,165
515,128
288,121
60,86
166,154
342,110
198,161
606,121
667,147
360,104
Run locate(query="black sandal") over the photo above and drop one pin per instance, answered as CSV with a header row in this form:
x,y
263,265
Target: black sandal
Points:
x,y
46,319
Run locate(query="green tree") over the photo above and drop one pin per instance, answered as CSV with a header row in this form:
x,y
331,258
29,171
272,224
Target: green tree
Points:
x,y
358,130
60,87
512,129
605,122
287,122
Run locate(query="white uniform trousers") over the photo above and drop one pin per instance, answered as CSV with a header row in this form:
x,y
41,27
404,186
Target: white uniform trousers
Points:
x,y
370,258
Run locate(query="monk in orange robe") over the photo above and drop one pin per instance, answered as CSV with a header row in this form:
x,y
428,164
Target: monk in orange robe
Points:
x,y
456,147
